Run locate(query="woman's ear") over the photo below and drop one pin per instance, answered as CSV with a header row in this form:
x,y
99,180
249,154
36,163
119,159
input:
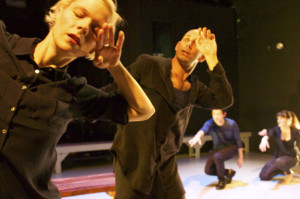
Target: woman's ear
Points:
x,y
57,11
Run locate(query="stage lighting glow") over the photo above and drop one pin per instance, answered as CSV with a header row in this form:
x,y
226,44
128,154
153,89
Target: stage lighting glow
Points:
x,y
279,46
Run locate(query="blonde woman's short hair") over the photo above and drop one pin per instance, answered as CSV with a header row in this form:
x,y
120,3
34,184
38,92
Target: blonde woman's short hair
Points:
x,y
111,5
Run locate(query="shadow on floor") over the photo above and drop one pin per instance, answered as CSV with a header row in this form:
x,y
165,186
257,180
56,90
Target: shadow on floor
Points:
x,y
280,181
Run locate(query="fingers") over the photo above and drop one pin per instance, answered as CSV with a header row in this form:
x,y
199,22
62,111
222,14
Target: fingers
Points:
x,y
194,141
199,142
120,41
262,148
111,37
262,132
191,143
99,43
206,33
199,32
105,36
239,163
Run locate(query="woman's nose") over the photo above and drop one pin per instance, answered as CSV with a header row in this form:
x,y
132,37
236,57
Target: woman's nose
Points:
x,y
84,26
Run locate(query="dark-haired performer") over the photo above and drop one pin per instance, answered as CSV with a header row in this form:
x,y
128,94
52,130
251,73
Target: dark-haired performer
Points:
x,y
227,143
285,154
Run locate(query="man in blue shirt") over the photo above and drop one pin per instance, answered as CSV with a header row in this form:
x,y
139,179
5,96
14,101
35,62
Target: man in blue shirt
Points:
x,y
227,143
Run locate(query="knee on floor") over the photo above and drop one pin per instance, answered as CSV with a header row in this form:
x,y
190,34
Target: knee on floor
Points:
x,y
264,177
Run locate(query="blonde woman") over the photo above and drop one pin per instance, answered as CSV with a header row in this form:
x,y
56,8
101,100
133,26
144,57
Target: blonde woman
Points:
x,y
39,99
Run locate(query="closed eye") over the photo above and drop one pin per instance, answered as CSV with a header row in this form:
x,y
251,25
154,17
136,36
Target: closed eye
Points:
x,y
79,13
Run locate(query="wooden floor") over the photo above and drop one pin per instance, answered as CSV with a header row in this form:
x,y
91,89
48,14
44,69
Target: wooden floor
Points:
x,y
245,185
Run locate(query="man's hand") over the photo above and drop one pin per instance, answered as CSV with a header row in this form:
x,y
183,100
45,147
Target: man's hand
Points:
x,y
206,44
196,139
240,162
107,53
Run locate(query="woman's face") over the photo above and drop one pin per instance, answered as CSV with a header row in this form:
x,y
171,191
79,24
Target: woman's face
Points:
x,y
76,27
283,121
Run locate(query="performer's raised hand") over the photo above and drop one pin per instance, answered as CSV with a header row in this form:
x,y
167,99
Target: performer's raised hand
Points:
x,y
107,52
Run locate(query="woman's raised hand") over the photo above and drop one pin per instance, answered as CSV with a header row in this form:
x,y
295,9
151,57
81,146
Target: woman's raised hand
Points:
x,y
107,52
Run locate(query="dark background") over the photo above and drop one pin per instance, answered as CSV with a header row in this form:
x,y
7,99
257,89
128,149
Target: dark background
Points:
x,y
265,79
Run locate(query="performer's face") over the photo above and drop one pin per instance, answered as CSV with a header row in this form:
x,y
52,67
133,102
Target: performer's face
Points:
x,y
218,117
186,50
76,27
283,121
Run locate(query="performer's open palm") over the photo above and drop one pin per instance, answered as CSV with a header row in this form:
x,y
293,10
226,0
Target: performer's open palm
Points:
x,y
107,53
206,42
194,141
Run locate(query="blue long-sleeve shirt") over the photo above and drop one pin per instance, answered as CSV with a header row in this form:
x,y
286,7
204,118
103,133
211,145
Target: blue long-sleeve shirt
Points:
x,y
225,135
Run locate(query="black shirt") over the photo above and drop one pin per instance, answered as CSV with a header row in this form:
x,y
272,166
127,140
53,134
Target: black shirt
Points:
x,y
283,147
144,147
36,108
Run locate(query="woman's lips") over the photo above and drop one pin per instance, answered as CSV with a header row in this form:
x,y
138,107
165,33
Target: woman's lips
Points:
x,y
74,39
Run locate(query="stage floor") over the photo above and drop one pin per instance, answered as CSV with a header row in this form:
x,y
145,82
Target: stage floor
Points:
x,y
245,184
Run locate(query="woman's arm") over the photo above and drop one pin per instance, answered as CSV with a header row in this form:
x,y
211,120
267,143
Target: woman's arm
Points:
x,y
108,57
264,144
140,107
263,132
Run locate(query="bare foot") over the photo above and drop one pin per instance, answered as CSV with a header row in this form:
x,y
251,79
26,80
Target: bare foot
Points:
x,y
288,178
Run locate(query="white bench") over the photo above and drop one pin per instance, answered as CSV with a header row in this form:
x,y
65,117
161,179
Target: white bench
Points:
x,y
244,137
63,150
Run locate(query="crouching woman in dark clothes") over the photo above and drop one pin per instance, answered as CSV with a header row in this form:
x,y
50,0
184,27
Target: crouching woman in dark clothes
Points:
x,y
285,154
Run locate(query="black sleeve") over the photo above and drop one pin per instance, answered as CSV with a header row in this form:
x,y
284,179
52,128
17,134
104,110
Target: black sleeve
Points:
x,y
94,104
271,132
219,92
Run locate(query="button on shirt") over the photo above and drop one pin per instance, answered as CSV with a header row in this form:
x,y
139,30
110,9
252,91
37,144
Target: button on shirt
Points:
x,y
36,108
